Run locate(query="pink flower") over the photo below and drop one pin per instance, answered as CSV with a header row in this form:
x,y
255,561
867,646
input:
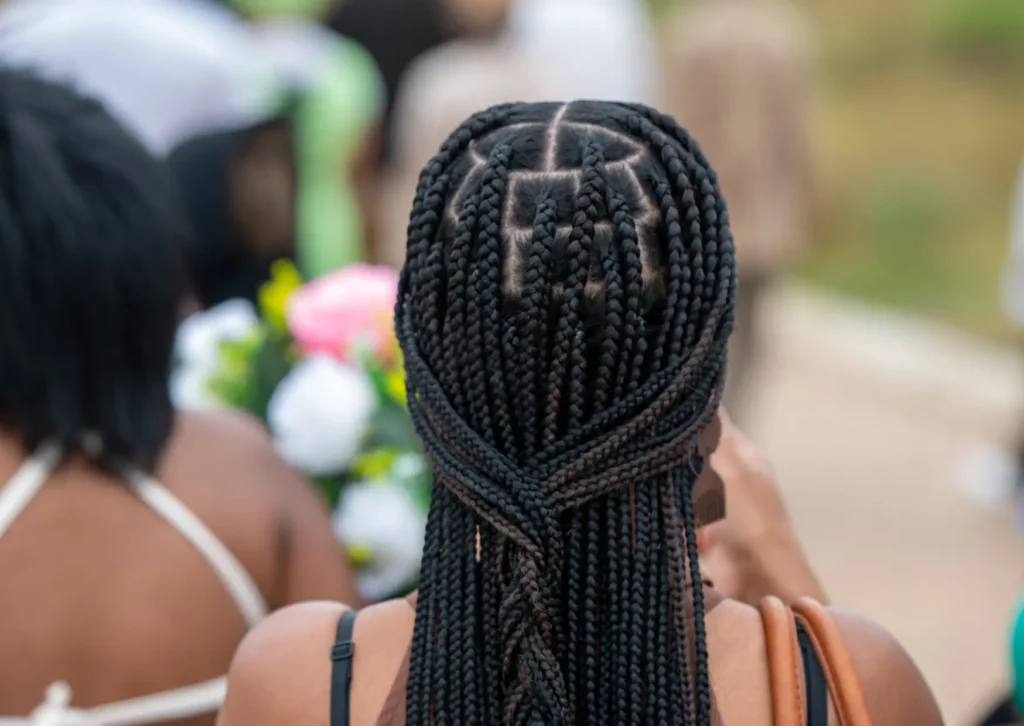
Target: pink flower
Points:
x,y
346,311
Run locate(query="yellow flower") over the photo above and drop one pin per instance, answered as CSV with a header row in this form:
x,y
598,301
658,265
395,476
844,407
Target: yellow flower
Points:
x,y
395,383
358,553
274,295
374,464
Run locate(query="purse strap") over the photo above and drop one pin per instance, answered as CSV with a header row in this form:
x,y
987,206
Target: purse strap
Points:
x,y
785,671
843,683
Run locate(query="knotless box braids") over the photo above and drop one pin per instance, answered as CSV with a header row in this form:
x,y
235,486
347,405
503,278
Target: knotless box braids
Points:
x,y
564,313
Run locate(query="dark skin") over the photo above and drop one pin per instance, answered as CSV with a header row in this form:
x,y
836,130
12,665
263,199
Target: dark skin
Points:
x,y
101,593
281,674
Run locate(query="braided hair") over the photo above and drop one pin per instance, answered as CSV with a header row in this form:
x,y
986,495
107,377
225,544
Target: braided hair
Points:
x,y
564,312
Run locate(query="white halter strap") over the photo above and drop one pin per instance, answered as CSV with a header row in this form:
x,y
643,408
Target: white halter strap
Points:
x,y
229,570
26,483
180,703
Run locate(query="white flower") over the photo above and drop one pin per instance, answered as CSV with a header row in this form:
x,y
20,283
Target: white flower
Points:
x,y
319,415
383,519
189,389
197,349
199,336
408,466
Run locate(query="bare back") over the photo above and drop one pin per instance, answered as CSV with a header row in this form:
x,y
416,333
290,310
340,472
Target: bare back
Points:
x,y
100,592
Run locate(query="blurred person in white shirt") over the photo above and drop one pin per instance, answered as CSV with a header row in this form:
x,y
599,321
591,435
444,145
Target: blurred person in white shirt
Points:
x,y
166,69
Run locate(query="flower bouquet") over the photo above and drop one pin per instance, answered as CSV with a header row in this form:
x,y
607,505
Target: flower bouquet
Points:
x,y
320,365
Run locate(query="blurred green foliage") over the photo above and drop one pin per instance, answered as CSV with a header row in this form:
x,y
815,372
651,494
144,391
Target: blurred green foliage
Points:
x,y
920,149
986,34
905,212
660,6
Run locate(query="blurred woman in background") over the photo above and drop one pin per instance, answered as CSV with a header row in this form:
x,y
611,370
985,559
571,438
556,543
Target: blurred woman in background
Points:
x,y
137,545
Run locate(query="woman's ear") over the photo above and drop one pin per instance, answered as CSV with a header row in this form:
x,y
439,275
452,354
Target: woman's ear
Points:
x,y
263,191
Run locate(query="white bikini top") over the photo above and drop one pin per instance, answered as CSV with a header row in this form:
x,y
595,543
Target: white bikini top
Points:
x,y
180,703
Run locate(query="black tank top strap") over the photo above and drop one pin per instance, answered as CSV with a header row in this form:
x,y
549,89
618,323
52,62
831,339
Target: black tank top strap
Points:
x,y
815,685
341,669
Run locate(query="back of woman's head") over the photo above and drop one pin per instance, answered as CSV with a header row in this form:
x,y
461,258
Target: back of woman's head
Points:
x,y
89,275
564,313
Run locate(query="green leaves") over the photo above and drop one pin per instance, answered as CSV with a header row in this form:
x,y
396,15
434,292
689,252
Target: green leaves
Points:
x,y
250,370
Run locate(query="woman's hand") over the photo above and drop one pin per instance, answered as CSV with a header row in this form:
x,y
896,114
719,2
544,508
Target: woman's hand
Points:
x,y
754,551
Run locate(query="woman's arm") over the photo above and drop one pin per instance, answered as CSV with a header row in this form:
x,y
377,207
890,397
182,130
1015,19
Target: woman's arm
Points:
x,y
894,689
281,672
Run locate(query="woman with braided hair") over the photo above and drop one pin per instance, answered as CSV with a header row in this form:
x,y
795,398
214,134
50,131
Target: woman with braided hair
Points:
x,y
564,314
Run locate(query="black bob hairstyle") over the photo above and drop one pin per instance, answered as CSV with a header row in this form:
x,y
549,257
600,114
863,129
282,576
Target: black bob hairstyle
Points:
x,y
90,276
564,313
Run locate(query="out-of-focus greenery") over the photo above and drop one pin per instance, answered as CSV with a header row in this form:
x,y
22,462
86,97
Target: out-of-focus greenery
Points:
x,y
920,129
988,34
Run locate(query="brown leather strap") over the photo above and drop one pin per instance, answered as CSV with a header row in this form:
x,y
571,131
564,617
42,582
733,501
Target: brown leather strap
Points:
x,y
843,683
783,663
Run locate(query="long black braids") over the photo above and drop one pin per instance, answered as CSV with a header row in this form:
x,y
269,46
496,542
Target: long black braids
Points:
x,y
564,313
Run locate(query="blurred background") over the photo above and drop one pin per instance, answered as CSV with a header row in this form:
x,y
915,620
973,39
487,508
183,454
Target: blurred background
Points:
x,y
882,369
889,388
920,133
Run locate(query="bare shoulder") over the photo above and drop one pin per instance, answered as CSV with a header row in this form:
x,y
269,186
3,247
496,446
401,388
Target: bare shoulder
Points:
x,y
228,433
281,671
225,468
228,447
895,691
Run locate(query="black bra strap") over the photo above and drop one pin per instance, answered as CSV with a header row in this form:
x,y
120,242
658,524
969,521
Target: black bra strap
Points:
x,y
341,669
815,685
